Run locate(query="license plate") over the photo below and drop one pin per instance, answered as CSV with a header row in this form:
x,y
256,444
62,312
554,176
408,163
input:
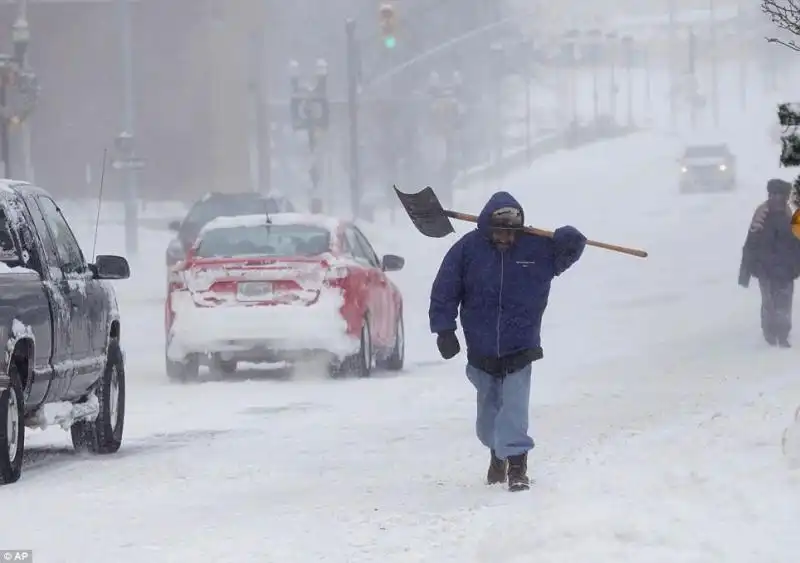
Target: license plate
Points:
x,y
253,291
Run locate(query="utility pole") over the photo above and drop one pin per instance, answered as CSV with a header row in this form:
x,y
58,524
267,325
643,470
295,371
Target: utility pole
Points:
x,y
353,63
714,77
743,38
672,60
5,150
255,93
694,96
125,143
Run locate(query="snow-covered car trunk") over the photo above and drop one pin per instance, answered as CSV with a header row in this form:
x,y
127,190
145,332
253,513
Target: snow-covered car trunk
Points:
x,y
255,308
215,282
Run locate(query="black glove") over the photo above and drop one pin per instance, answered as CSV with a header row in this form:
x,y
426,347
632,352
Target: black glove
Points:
x,y
570,243
448,344
744,277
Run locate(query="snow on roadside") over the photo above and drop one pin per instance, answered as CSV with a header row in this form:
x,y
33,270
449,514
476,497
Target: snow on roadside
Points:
x,y
706,487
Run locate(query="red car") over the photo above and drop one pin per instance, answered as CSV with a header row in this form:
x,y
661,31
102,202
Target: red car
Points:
x,y
286,287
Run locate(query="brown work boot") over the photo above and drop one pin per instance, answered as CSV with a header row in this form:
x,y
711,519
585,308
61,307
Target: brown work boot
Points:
x,y
497,470
518,473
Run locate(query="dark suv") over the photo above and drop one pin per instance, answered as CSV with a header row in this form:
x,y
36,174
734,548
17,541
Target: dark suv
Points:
x,y
217,205
707,168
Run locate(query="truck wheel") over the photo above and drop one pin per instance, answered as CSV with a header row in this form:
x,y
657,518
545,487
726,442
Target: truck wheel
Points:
x,y
12,429
104,434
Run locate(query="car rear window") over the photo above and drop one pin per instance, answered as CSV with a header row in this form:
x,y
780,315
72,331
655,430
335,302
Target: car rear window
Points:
x,y
263,240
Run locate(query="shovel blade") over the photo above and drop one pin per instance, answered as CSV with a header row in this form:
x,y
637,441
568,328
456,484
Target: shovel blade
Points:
x,y
426,212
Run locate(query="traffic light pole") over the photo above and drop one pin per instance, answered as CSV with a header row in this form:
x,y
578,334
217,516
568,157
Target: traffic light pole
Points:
x,y
352,107
438,49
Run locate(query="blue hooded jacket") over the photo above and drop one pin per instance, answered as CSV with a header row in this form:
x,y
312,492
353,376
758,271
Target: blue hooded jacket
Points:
x,y
501,296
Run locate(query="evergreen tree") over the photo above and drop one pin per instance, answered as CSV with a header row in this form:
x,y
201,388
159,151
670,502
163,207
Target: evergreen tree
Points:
x,y
785,14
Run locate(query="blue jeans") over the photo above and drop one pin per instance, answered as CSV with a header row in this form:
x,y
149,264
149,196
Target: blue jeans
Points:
x,y
502,420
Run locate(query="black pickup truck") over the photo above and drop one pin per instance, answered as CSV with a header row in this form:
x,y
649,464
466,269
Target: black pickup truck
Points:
x,y
60,356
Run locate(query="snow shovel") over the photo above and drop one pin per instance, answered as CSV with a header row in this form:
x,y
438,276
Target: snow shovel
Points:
x,y
432,220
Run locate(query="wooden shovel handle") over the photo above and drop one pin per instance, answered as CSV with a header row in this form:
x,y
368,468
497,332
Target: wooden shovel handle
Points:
x,y
549,234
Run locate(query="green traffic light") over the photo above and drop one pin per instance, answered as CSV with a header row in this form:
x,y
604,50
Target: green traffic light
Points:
x,y
390,42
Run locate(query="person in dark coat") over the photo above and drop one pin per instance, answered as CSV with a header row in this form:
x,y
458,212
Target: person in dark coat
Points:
x,y
771,254
498,280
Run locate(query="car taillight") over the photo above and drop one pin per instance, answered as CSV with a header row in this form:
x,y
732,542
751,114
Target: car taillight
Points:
x,y
223,287
176,280
335,276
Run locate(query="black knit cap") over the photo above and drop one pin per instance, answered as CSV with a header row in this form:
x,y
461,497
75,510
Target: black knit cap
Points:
x,y
779,187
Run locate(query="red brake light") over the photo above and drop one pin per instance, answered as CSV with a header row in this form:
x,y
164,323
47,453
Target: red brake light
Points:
x,y
223,287
335,276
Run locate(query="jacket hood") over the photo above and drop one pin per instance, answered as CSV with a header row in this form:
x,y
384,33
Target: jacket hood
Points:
x,y
497,201
777,186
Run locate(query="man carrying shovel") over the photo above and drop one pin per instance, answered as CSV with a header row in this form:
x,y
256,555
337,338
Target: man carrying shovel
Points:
x,y
498,277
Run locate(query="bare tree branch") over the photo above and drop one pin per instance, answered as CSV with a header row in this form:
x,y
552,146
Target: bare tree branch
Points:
x,y
785,14
790,44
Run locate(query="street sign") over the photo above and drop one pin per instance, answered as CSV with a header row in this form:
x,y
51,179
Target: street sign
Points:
x,y
128,164
310,111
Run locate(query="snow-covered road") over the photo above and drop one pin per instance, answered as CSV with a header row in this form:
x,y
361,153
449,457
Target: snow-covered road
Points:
x,y
658,416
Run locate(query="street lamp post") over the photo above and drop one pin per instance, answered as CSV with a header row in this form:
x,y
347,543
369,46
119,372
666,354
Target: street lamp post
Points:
x,y
446,108
571,53
610,55
498,68
21,38
310,110
5,77
594,43
14,73
627,42
126,160
528,53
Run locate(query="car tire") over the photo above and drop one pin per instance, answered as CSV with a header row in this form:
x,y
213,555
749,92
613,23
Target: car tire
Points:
x,y
12,429
224,367
104,434
360,363
183,371
396,359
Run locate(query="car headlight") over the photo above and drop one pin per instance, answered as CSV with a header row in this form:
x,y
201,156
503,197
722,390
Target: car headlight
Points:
x,y
684,169
722,167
